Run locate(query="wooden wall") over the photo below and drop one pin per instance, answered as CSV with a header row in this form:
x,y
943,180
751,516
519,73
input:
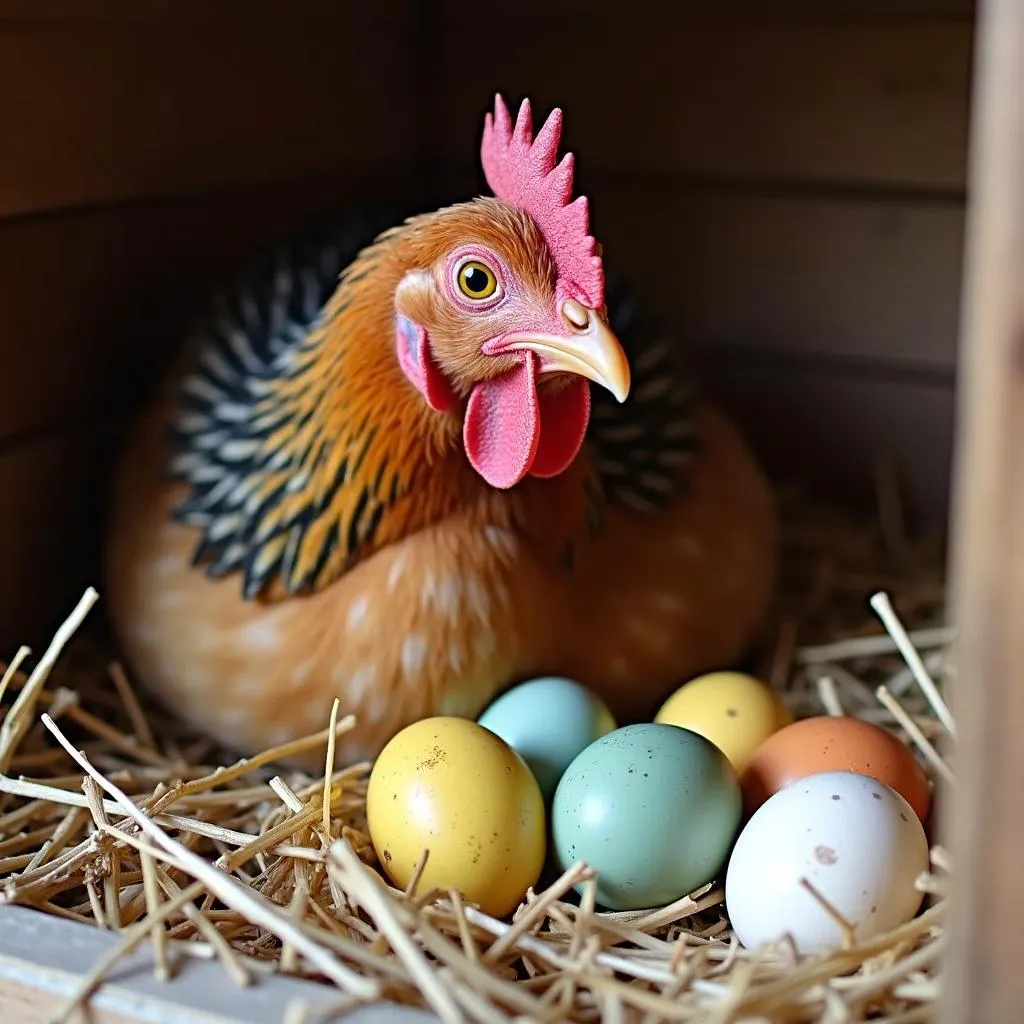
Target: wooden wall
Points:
x,y
148,147
789,188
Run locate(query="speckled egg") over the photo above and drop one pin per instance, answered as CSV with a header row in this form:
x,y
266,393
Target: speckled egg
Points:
x,y
450,786
856,841
828,743
652,808
548,721
735,711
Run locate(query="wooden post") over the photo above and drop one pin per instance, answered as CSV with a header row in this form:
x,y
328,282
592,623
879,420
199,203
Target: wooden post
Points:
x,y
985,825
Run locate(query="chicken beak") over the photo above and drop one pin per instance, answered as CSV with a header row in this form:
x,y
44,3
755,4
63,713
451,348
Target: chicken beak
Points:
x,y
589,349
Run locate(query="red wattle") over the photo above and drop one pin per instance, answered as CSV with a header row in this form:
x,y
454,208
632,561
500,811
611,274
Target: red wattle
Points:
x,y
501,431
564,416
510,431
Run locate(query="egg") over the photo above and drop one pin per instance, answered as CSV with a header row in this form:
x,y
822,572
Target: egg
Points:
x,y
450,786
548,721
834,743
853,838
652,808
735,711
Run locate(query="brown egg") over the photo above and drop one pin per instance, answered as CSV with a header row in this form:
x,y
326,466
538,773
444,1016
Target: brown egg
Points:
x,y
834,743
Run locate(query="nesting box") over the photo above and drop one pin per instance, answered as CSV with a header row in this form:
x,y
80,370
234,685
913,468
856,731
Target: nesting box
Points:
x,y
789,184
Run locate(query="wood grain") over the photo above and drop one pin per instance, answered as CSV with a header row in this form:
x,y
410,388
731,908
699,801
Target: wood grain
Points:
x,y
99,113
985,983
872,101
841,277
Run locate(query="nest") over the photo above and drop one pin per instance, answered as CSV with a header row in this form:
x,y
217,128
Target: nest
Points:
x,y
113,815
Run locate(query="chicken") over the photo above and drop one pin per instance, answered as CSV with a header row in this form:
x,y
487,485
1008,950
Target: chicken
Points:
x,y
409,467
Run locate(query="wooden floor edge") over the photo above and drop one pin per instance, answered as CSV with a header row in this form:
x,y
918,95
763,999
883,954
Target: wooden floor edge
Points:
x,y
43,960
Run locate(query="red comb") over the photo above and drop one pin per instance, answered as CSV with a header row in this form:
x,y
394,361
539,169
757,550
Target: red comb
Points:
x,y
523,171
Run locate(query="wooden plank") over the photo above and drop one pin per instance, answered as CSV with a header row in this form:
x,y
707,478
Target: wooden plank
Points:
x,y
750,10
828,429
985,983
879,102
43,958
94,114
204,10
741,269
93,300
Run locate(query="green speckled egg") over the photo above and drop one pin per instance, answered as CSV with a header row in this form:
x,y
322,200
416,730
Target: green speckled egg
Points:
x,y
548,721
652,808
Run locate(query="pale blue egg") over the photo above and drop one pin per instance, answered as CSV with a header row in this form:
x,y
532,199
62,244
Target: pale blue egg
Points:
x,y
548,721
652,808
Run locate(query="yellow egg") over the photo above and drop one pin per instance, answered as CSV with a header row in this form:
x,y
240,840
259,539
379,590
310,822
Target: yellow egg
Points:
x,y
735,711
452,787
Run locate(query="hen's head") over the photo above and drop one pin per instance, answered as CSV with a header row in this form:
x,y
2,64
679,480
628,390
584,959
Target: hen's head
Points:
x,y
503,308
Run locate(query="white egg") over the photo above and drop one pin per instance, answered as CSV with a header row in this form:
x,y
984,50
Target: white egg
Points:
x,y
855,840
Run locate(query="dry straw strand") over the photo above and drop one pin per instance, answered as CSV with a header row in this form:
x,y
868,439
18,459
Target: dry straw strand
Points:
x,y
220,884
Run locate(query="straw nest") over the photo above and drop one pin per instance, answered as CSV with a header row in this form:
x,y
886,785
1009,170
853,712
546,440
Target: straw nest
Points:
x,y
111,814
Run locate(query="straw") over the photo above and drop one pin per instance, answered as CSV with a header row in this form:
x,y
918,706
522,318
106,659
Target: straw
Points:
x,y
130,821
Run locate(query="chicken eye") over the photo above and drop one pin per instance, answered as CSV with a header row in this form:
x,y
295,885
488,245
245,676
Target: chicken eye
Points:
x,y
476,280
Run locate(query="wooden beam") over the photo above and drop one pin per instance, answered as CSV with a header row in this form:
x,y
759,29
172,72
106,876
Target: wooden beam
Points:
x,y
44,958
101,113
866,103
985,828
